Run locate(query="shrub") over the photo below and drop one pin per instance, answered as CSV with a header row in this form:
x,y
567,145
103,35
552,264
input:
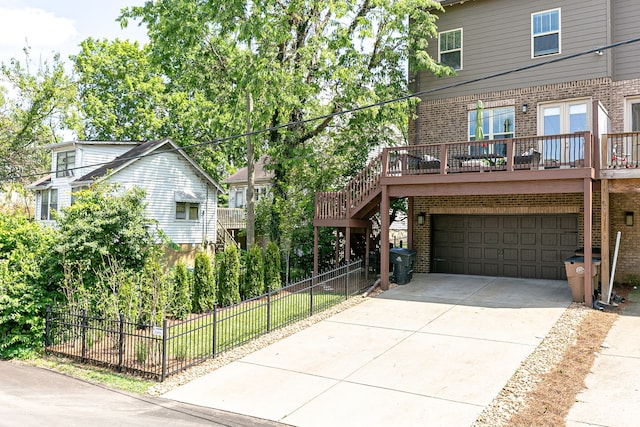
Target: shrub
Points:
x,y
25,286
204,285
229,274
272,278
181,292
253,284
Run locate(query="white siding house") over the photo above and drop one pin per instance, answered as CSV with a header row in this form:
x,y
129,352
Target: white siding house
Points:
x,y
179,194
238,184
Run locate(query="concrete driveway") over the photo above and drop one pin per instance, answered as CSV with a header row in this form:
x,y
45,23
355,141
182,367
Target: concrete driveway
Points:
x,y
433,352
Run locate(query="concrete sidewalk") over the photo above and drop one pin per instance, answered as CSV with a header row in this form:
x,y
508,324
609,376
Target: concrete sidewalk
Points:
x,y
433,352
612,394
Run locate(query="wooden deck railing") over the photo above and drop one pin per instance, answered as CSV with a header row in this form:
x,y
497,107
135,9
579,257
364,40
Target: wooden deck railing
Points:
x,y
621,150
232,218
575,150
357,193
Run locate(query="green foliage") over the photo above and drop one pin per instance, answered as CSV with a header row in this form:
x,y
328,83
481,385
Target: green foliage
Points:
x,y
120,92
253,284
272,278
181,306
41,105
153,292
25,289
105,225
301,59
204,286
229,277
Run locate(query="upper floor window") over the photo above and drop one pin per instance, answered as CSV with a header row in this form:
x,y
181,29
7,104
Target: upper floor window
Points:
x,y
65,163
450,48
48,203
187,211
545,32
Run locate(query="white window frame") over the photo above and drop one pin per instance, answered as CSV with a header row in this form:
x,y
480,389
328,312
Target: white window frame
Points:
x,y
188,213
628,112
558,31
440,52
47,209
565,107
67,169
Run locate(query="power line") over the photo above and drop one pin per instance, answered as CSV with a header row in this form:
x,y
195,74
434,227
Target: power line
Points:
x,y
357,109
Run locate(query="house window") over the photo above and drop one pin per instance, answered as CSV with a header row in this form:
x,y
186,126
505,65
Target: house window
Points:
x,y
545,33
65,162
240,198
450,48
187,211
632,119
497,123
563,118
48,204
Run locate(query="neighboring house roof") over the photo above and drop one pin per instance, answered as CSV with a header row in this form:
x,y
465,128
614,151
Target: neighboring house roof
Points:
x,y
41,184
67,143
260,173
145,149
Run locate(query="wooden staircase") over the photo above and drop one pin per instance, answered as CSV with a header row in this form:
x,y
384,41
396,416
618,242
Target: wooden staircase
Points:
x,y
359,199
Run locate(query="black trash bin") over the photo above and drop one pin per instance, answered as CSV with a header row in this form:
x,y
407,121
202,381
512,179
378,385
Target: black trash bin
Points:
x,y
402,260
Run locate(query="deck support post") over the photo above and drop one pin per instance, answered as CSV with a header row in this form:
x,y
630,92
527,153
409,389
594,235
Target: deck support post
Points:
x,y
384,238
588,226
605,227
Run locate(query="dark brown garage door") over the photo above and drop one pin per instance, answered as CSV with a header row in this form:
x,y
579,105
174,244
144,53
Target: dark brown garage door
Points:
x,y
529,246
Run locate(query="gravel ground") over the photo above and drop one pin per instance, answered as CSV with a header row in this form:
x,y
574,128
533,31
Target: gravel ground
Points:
x,y
509,401
547,355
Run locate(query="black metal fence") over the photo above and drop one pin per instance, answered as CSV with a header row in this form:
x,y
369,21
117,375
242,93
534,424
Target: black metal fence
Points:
x,y
161,350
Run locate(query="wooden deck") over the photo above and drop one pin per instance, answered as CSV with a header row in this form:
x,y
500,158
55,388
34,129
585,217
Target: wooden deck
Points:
x,y
529,165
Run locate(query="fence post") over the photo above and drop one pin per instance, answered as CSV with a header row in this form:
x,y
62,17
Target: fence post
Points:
x,y
47,328
215,328
268,308
164,350
313,283
121,343
84,323
346,288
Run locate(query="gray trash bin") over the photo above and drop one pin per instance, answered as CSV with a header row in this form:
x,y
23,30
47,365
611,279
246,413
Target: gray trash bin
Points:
x,y
402,261
575,275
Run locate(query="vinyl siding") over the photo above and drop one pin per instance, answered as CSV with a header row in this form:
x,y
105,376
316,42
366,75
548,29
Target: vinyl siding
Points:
x,y
96,155
626,14
161,176
497,38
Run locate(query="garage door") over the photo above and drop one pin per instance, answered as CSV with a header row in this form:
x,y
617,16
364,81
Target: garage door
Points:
x,y
529,246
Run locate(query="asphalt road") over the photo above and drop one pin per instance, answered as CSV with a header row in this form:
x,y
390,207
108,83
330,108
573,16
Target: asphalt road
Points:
x,y
31,396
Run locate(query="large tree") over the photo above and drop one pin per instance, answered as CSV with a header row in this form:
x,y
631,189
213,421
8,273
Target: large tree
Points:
x,y
299,59
36,106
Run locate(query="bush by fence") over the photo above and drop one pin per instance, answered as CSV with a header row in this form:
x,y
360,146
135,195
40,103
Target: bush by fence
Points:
x,y
162,350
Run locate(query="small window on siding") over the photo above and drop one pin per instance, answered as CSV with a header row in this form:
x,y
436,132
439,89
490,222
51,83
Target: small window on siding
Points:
x,y
450,48
187,211
545,32
65,163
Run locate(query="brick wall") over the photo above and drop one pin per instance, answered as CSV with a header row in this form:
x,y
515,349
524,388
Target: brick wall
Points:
x,y
445,120
628,253
518,204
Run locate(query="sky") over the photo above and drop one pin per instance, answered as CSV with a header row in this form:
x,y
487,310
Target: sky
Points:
x,y
51,26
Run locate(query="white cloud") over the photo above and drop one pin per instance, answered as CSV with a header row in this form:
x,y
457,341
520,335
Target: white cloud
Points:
x,y
40,29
